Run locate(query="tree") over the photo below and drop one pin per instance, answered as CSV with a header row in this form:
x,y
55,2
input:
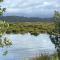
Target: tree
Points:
x,y
2,10
56,38
57,21
1,0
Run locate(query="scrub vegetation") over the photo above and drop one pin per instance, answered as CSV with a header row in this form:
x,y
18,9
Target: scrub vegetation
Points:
x,y
46,57
25,27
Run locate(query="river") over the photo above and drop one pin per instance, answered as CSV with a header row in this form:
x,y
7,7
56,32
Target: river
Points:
x,y
27,46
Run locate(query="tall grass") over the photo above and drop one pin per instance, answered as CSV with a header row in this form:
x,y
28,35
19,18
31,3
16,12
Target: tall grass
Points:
x,y
46,57
24,27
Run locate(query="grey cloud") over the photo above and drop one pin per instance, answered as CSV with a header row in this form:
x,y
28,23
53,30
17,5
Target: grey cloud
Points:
x,y
31,7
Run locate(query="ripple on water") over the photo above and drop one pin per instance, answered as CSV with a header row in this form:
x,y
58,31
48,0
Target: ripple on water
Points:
x,y
28,45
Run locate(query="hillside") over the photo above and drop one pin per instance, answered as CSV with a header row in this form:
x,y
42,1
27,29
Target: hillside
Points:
x,y
24,19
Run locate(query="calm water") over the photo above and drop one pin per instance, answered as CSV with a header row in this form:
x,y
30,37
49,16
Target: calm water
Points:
x,y
26,46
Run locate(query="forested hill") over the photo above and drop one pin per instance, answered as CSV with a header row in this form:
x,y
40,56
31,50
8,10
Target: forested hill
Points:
x,y
24,19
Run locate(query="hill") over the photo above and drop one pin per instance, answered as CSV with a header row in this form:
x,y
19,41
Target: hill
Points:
x,y
24,19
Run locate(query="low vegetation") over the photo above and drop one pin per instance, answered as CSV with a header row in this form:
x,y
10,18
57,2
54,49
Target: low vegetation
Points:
x,y
25,27
5,42
46,57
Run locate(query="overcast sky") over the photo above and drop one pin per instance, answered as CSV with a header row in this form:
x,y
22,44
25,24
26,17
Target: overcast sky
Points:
x,y
32,8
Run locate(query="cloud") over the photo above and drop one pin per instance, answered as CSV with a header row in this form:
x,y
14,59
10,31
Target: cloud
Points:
x,y
32,7
28,3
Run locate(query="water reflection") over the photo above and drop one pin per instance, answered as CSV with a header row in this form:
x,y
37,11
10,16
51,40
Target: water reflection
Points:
x,y
5,53
4,42
56,41
26,46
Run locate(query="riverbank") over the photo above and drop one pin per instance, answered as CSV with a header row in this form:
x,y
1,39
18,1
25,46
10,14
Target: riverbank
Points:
x,y
46,57
34,28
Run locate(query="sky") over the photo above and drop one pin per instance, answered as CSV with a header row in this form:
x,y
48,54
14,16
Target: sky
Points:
x,y
31,8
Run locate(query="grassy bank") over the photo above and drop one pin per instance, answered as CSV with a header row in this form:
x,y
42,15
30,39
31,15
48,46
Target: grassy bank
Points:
x,y
46,57
24,27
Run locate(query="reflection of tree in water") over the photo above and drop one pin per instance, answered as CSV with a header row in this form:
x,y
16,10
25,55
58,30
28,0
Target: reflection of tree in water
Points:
x,y
5,53
4,42
56,41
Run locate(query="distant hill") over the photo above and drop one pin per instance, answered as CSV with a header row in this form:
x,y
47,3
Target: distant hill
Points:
x,y
24,19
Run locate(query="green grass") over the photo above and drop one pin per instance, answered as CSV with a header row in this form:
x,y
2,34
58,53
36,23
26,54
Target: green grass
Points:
x,y
34,28
46,57
25,27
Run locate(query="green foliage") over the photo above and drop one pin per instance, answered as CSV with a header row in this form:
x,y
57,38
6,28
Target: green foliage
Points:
x,y
24,27
57,21
46,57
3,26
57,16
2,10
42,57
56,40
5,42
1,0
